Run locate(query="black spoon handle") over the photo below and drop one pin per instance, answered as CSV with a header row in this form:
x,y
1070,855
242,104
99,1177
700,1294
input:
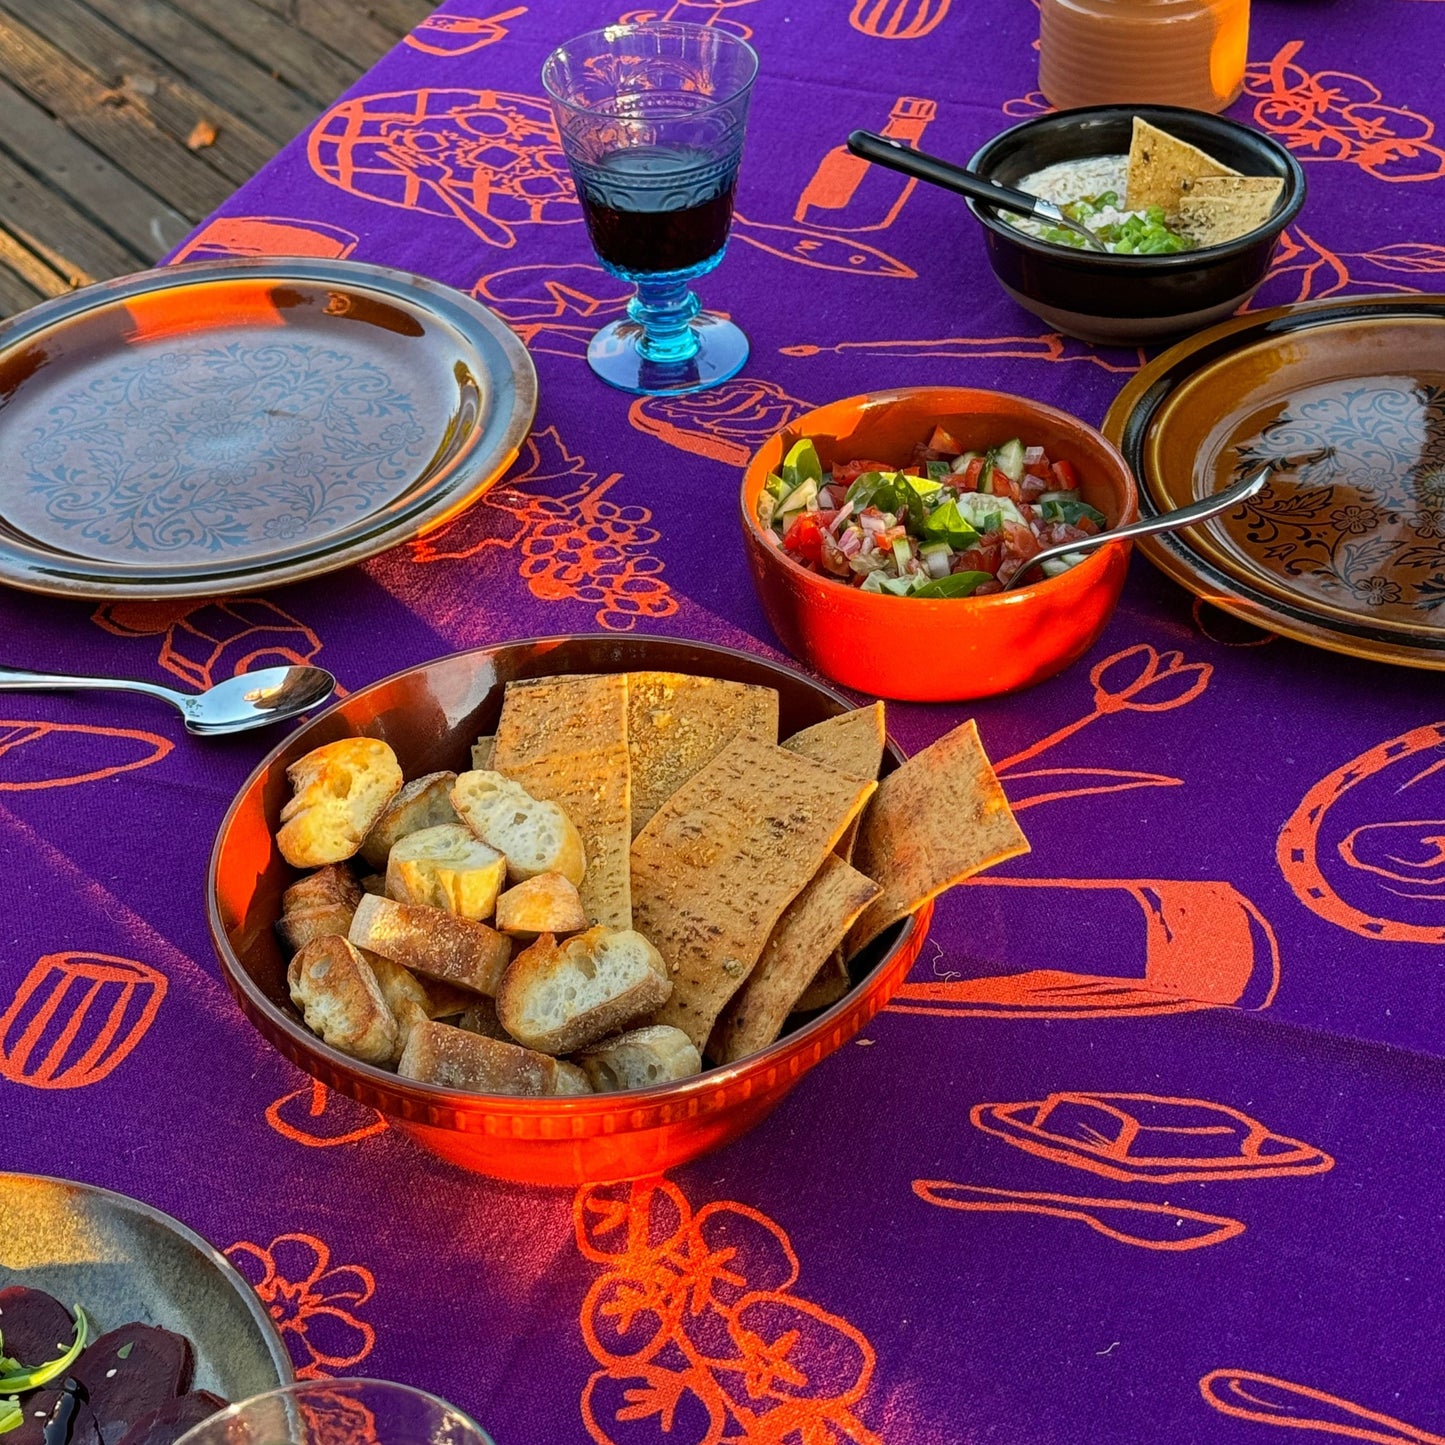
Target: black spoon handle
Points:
x,y
883,152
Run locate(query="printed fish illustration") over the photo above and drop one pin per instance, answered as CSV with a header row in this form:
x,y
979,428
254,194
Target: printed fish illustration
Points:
x,y
1248,1395
820,249
1149,1226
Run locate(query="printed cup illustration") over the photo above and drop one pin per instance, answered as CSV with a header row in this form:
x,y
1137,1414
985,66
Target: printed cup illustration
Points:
x,y
229,236
1178,945
898,19
1365,849
453,35
1149,1138
75,1018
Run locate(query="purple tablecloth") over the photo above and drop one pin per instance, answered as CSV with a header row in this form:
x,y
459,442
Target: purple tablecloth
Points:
x,y
1150,1146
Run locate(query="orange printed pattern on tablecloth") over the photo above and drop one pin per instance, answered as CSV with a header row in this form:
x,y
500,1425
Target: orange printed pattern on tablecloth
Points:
x,y
229,236
35,755
1332,115
319,1118
76,1017
575,547
1126,1221
490,159
451,35
898,19
1309,271
725,423
334,1417
1269,1400
1051,346
698,1330
311,1301
1385,874
1149,1138
696,12
537,300
205,644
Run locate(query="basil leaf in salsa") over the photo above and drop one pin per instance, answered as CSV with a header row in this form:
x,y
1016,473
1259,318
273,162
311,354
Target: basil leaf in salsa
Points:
x,y
956,584
1057,509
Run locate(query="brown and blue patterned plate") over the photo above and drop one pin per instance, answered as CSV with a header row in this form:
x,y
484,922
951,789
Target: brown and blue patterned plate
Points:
x,y
124,1261
1345,548
232,425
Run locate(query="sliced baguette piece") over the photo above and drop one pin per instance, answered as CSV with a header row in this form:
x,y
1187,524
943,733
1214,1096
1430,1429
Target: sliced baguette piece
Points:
x,y
548,903
564,739
428,941
425,802
641,1059
720,861
482,751
446,867
560,997
328,886
811,928
481,1018
339,791
535,836
299,927
570,1079
374,883
455,1059
340,1000
403,993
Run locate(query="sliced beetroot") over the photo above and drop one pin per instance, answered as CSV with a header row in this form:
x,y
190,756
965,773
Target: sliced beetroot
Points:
x,y
35,1327
130,1372
167,1423
73,1420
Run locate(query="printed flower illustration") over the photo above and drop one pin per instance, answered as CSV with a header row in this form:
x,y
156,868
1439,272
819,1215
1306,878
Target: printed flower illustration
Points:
x,y
1139,679
283,526
310,1301
289,430
1430,484
155,450
1377,591
45,453
304,464
1430,524
167,364
1355,521
401,435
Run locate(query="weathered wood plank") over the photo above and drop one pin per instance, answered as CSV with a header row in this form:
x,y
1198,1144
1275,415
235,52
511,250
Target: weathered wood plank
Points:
x,y
214,67
119,204
111,56
402,15
340,25
16,293
303,63
119,131
24,262
41,218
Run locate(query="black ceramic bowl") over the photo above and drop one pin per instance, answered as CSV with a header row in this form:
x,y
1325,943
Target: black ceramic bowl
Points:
x,y
1131,300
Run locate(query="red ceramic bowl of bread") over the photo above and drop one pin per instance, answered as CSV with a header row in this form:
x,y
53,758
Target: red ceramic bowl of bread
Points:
x,y
531,903
929,648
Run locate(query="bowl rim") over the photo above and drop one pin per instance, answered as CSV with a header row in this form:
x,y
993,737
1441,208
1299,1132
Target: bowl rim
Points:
x,y
1092,562
701,1084
1292,200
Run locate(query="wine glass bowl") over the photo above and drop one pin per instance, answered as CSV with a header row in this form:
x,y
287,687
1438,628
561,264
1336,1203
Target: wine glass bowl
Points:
x,y
651,119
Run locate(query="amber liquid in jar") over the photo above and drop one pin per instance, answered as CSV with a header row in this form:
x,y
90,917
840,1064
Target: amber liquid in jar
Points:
x,y
1159,52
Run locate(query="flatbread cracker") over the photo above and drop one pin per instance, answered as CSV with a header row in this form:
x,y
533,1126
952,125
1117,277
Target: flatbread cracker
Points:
x,y
1161,166
565,741
677,723
940,818
482,751
829,984
719,862
1215,209
811,928
852,742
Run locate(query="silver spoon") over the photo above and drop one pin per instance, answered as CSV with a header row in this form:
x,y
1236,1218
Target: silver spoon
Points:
x,y
250,700
1200,511
881,151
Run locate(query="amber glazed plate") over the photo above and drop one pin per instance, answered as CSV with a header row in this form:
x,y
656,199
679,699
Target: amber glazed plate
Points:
x,y
124,1261
206,428
1345,548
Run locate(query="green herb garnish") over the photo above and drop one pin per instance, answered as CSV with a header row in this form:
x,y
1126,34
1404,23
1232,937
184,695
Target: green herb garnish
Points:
x,y
15,1382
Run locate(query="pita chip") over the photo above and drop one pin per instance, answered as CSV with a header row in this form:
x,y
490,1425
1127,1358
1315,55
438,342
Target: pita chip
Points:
x,y
1161,167
1214,209
853,743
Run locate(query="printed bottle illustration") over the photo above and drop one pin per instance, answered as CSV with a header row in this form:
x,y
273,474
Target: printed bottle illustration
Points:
x,y
847,194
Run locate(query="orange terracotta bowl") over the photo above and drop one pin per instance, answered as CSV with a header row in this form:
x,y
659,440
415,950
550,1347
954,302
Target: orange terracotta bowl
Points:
x,y
948,649
431,715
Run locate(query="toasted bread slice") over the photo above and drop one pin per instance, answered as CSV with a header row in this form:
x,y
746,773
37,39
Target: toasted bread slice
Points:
x,y
536,837
298,928
559,997
446,867
564,739
481,1018
341,1001
428,941
548,903
440,1054
374,883
570,1079
641,1059
677,724
334,884
424,802
404,996
482,751
339,791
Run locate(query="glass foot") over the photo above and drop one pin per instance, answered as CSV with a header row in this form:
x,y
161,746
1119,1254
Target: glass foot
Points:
x,y
722,352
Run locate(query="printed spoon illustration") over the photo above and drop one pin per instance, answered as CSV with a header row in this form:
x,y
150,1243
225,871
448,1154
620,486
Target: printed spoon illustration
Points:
x,y
1248,1395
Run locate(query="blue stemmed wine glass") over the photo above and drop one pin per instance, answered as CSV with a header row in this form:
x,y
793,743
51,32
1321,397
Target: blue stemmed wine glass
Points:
x,y
652,119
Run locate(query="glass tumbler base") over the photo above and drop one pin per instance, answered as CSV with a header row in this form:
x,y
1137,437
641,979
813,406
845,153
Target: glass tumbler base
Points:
x,y
722,352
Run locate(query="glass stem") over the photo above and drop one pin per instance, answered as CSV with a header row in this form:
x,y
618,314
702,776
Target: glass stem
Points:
x,y
664,308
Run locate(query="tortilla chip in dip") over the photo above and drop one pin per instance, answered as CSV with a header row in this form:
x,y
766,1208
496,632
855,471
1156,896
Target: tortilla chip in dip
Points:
x,y
1215,209
1163,168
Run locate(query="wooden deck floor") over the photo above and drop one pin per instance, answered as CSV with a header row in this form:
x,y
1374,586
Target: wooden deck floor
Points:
x,y
106,107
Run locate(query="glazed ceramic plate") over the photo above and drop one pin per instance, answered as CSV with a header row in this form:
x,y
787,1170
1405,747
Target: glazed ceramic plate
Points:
x,y
240,424
1345,548
123,1261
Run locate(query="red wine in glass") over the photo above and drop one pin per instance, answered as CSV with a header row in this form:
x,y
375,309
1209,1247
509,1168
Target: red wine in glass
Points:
x,y
652,209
